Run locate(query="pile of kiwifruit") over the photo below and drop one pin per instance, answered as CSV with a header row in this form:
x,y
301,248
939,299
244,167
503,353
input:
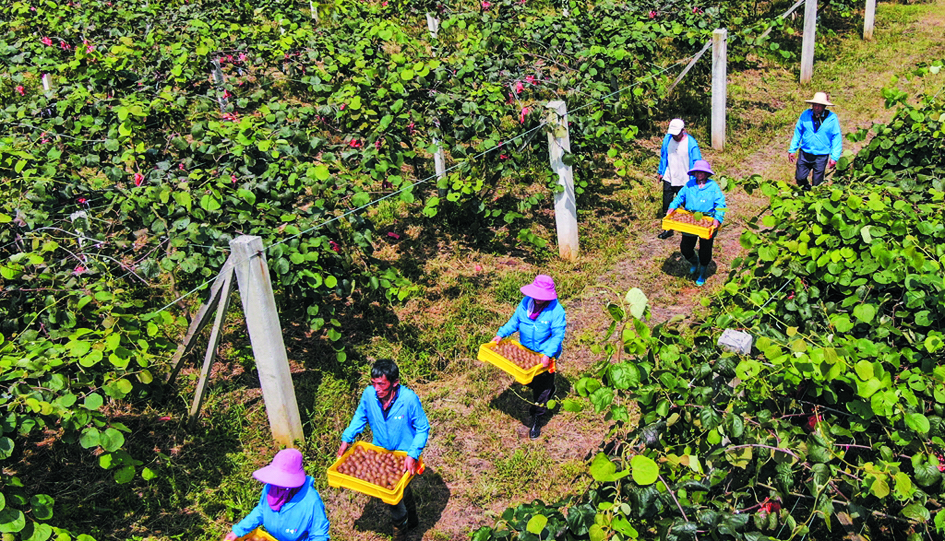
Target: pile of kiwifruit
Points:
x,y
376,467
691,219
523,358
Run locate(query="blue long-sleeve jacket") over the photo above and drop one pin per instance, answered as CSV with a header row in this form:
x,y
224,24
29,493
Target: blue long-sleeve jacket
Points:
x,y
708,199
826,140
544,334
694,153
301,518
404,428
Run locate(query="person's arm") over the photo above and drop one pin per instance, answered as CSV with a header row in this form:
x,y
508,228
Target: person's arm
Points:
x,y
254,519
421,425
718,206
796,140
511,326
552,345
318,530
664,157
836,140
357,424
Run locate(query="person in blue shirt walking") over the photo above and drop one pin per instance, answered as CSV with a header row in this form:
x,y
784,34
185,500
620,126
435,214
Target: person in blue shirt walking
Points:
x,y
398,423
817,137
540,323
289,507
700,195
679,153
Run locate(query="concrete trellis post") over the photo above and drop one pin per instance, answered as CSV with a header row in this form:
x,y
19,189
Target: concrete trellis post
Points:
x,y
433,25
47,83
559,143
719,86
265,334
439,164
218,81
869,19
314,12
807,46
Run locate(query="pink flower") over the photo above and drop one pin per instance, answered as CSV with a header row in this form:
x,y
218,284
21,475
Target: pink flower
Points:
x,y
354,143
521,117
46,41
89,48
20,90
78,270
503,157
813,420
696,10
82,200
233,179
519,87
139,178
165,418
377,144
652,14
393,235
343,105
478,268
335,246
410,128
242,57
64,46
384,3
180,166
486,5
530,79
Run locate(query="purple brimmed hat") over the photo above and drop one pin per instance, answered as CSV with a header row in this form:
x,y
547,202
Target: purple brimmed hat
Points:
x,y
701,165
542,289
285,470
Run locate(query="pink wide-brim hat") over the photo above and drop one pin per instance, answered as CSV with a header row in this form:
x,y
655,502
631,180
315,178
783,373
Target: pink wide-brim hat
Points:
x,y
285,470
542,289
701,165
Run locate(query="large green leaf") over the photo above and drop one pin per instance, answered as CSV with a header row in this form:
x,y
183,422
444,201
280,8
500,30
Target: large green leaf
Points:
x,y
644,470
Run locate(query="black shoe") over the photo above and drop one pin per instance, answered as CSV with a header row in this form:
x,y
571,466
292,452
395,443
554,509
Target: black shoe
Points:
x,y
665,234
534,432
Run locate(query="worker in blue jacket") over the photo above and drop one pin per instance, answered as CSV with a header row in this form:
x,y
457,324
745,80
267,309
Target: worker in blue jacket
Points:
x,y
289,507
700,195
679,153
817,137
398,423
540,323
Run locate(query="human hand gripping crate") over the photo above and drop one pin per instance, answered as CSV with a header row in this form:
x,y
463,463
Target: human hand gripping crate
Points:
x,y
372,470
686,222
514,358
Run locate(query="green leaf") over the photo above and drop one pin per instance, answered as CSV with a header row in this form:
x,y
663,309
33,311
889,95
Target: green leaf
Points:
x,y
637,301
147,474
536,524
93,401
601,398
596,533
90,438
209,203
245,195
12,520
739,457
603,469
644,470
864,312
42,506
918,422
879,488
864,369
917,512
111,440
6,448
124,474
41,532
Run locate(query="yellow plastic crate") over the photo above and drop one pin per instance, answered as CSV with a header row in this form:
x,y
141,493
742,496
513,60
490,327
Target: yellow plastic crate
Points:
x,y
258,534
705,232
390,496
488,354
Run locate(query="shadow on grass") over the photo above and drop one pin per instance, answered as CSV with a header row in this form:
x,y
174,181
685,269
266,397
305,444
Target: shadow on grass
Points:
x,y
431,494
677,265
515,401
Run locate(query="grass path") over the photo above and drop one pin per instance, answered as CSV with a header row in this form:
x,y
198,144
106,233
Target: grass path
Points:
x,y
479,458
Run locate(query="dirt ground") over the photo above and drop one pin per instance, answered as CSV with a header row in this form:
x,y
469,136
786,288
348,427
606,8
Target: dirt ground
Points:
x,y
476,415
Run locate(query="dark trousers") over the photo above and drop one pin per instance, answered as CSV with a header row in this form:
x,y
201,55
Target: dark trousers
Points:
x,y
543,387
810,164
687,245
669,193
404,512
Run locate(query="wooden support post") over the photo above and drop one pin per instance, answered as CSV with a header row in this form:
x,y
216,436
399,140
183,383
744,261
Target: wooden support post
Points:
x,y
433,25
559,144
439,164
719,86
807,45
265,334
869,19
